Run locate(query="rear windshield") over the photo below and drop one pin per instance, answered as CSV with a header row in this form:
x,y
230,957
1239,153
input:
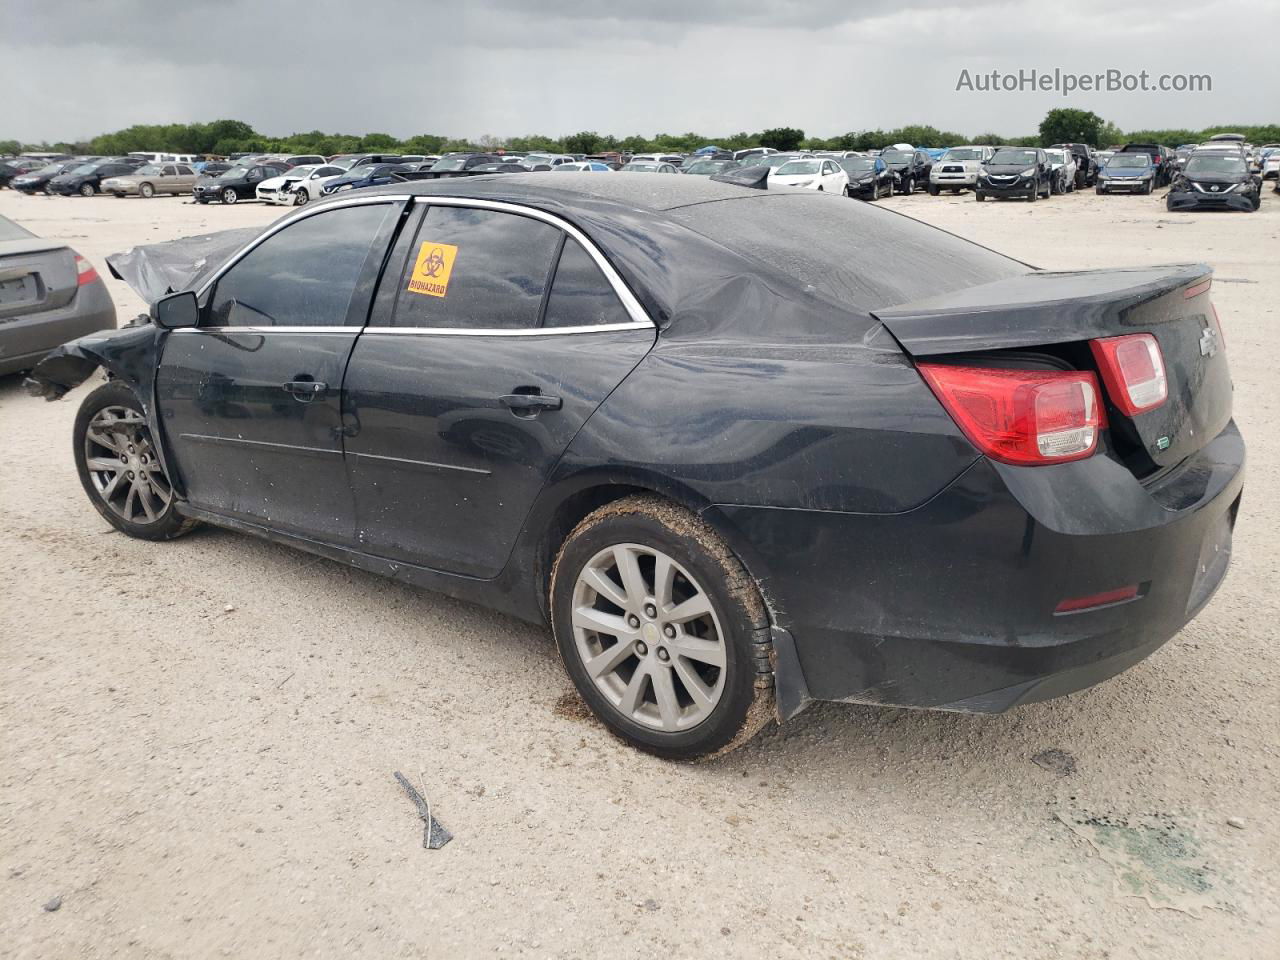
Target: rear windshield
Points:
x,y
853,254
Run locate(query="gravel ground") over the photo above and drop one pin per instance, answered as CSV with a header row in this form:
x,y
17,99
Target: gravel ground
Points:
x,y
197,739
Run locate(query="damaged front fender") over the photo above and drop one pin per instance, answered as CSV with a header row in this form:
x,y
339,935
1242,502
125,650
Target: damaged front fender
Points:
x,y
129,354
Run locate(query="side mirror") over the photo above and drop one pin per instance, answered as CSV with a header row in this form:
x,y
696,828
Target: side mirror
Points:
x,y
177,310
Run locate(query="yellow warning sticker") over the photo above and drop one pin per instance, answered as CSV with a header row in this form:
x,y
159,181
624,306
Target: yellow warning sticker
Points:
x,y
432,269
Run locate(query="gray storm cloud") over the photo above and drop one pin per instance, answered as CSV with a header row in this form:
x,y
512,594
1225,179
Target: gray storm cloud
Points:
x,y
506,68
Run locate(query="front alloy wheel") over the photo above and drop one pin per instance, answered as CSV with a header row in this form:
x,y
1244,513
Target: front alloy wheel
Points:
x,y
229,196
121,469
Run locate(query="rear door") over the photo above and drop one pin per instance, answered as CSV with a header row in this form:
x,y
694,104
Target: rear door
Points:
x,y
251,400
495,334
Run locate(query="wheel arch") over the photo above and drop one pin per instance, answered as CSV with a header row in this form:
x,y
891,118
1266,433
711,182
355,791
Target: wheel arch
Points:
x,y
563,505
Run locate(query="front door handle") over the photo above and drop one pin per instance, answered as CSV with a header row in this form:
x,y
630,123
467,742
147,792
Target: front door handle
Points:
x,y
306,390
527,404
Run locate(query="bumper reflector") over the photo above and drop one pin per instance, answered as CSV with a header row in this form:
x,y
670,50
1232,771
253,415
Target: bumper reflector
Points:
x,y
1095,601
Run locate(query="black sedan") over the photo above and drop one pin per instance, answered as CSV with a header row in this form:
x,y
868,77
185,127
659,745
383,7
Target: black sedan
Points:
x,y
739,455
869,178
37,180
373,175
86,179
1214,181
238,183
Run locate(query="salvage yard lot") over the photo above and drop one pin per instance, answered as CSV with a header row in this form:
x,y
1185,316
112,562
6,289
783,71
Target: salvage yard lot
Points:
x,y
197,739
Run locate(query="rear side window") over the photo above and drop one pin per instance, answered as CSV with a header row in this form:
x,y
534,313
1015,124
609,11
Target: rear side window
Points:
x,y
857,255
304,276
581,296
473,268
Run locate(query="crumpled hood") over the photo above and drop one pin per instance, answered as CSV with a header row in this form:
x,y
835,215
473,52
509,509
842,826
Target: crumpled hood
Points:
x,y
158,269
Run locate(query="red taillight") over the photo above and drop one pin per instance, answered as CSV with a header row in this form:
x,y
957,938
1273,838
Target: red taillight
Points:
x,y
84,271
1092,602
1133,371
1021,417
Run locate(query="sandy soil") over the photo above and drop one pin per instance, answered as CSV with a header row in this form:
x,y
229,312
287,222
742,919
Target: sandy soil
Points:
x,y
197,739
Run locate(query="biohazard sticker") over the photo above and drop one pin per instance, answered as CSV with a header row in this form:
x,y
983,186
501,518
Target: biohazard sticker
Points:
x,y
432,269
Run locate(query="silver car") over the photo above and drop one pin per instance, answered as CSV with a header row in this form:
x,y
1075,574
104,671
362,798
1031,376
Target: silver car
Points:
x,y
152,180
49,294
958,168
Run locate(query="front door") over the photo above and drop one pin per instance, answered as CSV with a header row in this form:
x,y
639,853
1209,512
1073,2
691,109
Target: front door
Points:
x,y
495,334
250,401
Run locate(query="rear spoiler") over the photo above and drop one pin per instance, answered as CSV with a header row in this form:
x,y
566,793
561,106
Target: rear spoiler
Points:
x,y
1040,307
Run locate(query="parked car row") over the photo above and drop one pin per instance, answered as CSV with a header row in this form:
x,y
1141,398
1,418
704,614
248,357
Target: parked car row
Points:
x,y
1028,173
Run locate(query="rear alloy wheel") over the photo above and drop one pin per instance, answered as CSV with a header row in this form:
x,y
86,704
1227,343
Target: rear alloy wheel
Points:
x,y
662,630
147,190
120,468
87,190
229,196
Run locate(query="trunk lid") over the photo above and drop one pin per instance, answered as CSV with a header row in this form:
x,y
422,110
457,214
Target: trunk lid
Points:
x,y
33,280
1045,309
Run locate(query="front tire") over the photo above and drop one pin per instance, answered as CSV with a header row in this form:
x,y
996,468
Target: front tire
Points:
x,y
87,190
662,630
119,467
979,195
300,198
147,191
229,196
933,190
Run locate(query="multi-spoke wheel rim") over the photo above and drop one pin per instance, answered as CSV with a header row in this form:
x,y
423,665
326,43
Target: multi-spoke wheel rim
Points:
x,y
649,637
124,468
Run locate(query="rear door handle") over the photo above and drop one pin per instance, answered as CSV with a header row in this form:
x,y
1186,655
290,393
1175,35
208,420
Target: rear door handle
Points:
x,y
533,402
306,390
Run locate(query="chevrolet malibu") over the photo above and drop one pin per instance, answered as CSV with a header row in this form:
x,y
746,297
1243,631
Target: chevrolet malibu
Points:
x,y
738,455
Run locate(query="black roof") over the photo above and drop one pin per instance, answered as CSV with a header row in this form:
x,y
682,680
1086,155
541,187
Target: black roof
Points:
x,y
671,236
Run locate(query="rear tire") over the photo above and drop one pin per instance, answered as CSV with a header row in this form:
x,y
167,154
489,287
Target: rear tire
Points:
x,y
119,469
683,687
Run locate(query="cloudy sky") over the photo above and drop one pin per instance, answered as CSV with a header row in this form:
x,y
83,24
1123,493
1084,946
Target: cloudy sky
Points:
x,y
466,68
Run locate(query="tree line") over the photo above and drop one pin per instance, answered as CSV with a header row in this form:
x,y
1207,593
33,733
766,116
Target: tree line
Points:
x,y
235,136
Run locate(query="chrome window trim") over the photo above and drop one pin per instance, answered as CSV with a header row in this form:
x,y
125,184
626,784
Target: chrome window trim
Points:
x,y
640,320
504,331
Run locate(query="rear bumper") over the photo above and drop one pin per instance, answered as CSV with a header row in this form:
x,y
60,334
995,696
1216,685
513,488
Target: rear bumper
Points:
x,y
1194,200
25,340
951,606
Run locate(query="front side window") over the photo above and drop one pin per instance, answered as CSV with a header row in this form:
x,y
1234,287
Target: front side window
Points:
x,y
581,295
303,276
470,268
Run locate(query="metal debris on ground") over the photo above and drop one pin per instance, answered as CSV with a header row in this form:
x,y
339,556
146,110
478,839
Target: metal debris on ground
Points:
x,y
1055,761
434,835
